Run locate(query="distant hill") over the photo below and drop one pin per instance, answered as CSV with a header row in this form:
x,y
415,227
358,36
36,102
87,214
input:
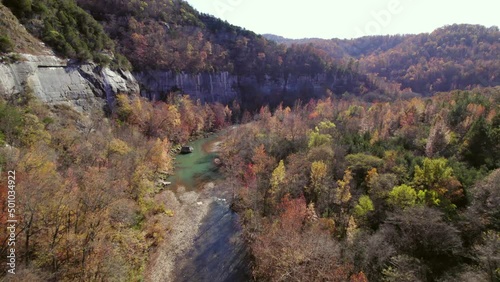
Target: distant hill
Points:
x,y
451,57
342,48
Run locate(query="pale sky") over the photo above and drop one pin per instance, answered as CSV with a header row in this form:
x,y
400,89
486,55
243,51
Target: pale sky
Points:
x,y
350,18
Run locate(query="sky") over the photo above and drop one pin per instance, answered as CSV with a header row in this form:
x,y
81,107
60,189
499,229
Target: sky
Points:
x,y
349,19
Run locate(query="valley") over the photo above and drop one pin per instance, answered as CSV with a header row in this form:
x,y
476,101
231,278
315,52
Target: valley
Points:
x,y
365,159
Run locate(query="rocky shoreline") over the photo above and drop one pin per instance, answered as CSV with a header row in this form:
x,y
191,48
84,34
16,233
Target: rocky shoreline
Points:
x,y
190,209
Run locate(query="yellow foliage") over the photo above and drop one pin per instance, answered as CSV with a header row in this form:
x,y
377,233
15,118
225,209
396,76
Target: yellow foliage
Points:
x,y
123,107
318,172
33,131
159,157
318,176
38,162
278,176
169,213
343,193
175,117
117,146
371,174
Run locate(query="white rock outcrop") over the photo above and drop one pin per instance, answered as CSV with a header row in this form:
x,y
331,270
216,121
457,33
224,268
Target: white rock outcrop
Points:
x,y
55,81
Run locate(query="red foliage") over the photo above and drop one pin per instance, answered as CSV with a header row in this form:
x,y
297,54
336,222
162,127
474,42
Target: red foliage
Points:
x,y
249,176
359,277
293,212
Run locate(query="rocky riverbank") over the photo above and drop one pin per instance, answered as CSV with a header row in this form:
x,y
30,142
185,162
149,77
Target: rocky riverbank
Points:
x,y
189,210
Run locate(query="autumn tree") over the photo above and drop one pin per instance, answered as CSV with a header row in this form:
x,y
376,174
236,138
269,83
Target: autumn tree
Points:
x,y
439,138
159,156
421,232
436,176
287,251
277,181
318,189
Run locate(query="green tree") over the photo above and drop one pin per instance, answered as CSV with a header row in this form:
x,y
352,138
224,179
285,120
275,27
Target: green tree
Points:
x,y
19,7
320,135
363,162
364,206
433,175
402,196
11,123
479,148
317,139
6,44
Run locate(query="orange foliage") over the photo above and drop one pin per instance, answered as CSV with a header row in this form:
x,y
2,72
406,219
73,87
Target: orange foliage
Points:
x,y
358,277
293,213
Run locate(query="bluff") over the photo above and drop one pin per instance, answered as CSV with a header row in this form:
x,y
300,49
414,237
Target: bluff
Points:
x,y
57,81
225,87
249,90
207,87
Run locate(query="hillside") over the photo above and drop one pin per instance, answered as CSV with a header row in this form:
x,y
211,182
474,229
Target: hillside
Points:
x,y
451,57
344,190
162,34
67,29
15,38
153,33
170,36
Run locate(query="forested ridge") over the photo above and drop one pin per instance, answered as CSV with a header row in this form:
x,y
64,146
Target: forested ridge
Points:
x,y
391,174
451,57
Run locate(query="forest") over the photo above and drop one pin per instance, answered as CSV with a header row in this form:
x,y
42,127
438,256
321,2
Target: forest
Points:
x,y
336,190
88,194
391,174
328,190
451,57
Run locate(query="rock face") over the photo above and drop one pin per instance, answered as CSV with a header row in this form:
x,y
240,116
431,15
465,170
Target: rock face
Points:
x,y
225,87
207,87
84,86
215,87
54,81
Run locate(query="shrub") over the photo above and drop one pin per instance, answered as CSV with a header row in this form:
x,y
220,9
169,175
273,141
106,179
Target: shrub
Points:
x,y
6,44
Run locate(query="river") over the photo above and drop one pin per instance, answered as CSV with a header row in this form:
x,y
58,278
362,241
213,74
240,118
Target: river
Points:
x,y
218,252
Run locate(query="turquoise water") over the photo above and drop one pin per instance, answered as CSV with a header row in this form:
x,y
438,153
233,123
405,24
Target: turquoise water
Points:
x,y
192,170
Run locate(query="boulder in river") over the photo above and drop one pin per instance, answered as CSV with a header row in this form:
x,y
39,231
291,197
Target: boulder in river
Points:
x,y
187,149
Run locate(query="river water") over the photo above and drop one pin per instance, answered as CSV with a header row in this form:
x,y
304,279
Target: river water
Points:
x,y
219,252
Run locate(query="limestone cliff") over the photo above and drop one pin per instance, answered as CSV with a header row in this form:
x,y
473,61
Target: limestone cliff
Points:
x,y
55,81
84,86
219,87
207,87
